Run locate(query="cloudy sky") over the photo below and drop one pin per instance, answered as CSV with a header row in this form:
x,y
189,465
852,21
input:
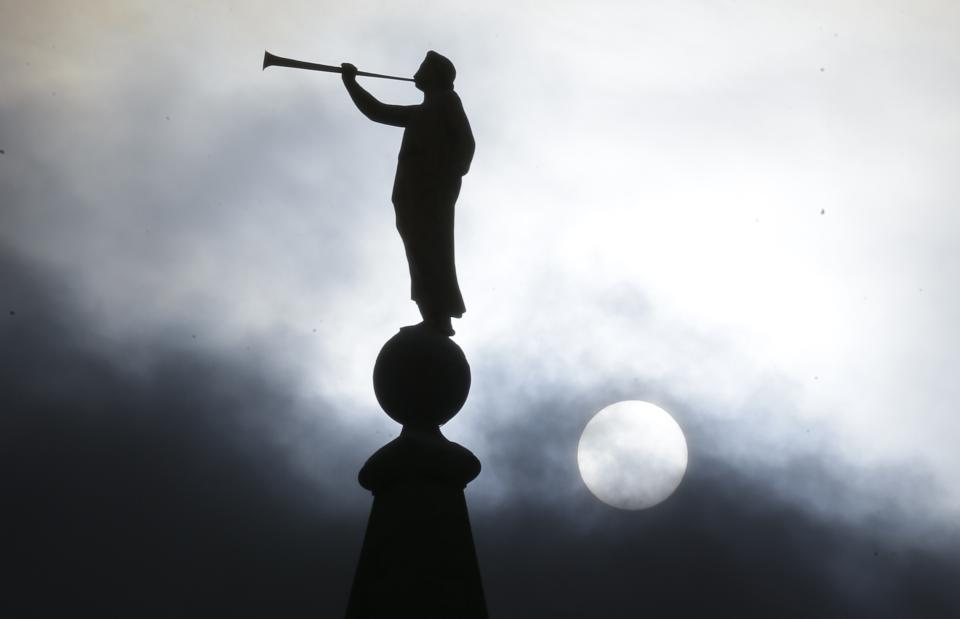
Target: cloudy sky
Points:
x,y
743,211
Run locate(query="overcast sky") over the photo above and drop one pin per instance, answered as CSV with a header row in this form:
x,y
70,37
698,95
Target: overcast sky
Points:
x,y
745,212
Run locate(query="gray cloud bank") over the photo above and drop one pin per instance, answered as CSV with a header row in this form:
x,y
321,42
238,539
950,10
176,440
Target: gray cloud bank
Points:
x,y
145,479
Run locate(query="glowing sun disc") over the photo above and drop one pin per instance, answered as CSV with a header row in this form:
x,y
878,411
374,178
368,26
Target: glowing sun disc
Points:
x,y
632,455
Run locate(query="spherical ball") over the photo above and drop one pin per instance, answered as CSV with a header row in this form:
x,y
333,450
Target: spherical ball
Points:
x,y
421,377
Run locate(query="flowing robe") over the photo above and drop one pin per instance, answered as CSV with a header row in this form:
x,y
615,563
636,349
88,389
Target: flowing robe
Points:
x,y
435,153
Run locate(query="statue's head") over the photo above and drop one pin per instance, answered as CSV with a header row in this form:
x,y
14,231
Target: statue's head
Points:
x,y
436,72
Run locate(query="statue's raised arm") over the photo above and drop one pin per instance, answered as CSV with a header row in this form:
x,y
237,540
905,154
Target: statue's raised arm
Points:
x,y
371,107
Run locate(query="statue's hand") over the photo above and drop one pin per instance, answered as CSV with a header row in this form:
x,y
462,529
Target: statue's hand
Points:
x,y
348,72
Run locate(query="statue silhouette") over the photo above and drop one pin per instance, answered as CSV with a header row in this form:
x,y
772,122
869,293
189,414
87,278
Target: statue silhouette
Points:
x,y
418,557
435,153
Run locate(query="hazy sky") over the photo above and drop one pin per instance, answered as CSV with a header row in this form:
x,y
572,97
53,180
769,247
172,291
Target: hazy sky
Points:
x,y
745,212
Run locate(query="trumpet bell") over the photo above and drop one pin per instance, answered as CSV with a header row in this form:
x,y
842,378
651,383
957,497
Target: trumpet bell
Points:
x,y
268,59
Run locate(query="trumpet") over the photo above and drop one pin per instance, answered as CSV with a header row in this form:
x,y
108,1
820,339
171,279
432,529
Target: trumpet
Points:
x,y
270,60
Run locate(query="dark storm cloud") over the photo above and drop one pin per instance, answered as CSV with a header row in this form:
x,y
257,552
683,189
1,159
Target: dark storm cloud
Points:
x,y
733,541
745,535
149,486
721,547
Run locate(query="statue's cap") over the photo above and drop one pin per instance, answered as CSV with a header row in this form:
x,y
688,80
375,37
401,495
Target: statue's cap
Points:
x,y
445,71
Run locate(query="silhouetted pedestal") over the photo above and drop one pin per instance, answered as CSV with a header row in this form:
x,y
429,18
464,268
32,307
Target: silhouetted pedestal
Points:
x,y
418,558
